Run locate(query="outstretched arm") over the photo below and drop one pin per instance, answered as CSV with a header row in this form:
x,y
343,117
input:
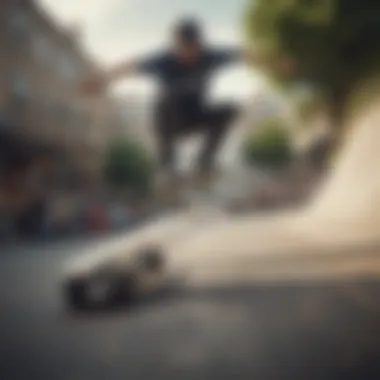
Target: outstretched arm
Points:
x,y
123,70
98,83
283,65
252,57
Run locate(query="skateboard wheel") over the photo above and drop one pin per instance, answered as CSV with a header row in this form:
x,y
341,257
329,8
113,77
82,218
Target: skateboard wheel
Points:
x,y
152,259
97,294
75,295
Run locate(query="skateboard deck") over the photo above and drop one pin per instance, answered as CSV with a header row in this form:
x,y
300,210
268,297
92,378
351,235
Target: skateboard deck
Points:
x,y
133,265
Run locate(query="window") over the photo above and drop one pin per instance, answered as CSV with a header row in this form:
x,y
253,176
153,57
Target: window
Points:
x,y
49,105
81,125
70,67
18,96
20,85
19,24
70,117
42,48
18,19
62,114
55,111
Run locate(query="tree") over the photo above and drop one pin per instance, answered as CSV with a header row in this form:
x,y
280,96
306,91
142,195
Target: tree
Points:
x,y
269,146
128,166
335,43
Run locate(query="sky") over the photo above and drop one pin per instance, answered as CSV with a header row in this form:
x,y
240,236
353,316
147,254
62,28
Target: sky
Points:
x,y
115,30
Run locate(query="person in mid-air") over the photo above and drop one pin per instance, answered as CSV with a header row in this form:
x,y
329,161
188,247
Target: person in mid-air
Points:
x,y
184,71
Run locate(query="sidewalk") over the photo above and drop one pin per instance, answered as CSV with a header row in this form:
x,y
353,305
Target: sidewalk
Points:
x,y
54,243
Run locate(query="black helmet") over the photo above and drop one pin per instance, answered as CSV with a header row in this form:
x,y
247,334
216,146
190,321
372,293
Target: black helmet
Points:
x,y
189,31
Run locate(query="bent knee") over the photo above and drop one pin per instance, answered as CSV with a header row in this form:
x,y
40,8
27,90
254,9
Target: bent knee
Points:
x,y
224,115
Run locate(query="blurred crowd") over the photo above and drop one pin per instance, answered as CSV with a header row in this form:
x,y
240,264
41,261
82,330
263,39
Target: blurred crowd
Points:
x,y
36,202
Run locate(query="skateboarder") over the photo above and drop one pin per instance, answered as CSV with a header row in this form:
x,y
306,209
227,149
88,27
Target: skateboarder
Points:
x,y
183,72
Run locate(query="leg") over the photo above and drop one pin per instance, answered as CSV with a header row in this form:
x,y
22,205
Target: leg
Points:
x,y
165,136
167,182
217,124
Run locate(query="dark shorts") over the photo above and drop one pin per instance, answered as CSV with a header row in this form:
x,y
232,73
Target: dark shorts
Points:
x,y
173,122
180,120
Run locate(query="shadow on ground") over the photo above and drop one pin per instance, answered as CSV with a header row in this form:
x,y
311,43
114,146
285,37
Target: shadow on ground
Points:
x,y
311,330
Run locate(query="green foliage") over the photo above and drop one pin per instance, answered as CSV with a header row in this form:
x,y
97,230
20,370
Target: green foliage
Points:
x,y
269,146
128,166
334,42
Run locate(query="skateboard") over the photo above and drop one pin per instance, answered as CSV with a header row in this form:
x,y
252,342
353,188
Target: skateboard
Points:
x,y
127,268
110,285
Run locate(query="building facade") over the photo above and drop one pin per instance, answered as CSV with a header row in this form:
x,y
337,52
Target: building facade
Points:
x,y
40,68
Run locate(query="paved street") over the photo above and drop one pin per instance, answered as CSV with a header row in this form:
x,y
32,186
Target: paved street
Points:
x,y
268,332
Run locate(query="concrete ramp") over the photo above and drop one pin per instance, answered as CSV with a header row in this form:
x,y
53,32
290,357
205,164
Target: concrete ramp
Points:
x,y
337,234
349,201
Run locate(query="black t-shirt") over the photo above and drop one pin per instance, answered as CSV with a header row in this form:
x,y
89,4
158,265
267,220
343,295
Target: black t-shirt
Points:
x,y
186,85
